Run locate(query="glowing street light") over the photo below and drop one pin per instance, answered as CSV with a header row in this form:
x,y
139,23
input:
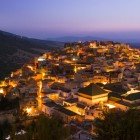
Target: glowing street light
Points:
x,y
1,91
30,67
73,59
75,69
110,106
41,59
104,83
28,110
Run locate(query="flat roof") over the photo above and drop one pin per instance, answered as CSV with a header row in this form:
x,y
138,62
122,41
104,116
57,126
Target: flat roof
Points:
x,y
80,105
73,100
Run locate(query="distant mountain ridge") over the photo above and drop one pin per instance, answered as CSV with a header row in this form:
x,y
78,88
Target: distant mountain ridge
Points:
x,y
16,50
89,38
39,43
75,38
133,42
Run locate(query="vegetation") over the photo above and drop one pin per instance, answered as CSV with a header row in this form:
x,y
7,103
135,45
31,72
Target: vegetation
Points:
x,y
5,129
47,129
41,128
118,125
10,44
6,104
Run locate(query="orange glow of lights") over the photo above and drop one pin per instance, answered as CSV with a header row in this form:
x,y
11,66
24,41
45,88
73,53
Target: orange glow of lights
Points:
x,y
104,83
110,106
28,110
1,91
30,67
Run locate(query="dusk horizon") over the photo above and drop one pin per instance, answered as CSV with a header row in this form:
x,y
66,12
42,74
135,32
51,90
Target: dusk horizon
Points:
x,y
51,19
129,36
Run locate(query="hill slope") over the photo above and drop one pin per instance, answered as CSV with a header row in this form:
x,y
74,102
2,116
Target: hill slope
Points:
x,y
16,50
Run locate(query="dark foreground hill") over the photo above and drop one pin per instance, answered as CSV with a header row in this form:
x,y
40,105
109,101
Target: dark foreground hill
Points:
x,y
16,50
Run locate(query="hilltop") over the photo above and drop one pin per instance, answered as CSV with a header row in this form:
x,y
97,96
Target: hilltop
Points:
x,y
16,50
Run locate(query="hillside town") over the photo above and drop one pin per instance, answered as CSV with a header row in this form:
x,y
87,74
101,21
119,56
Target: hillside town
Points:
x,y
75,83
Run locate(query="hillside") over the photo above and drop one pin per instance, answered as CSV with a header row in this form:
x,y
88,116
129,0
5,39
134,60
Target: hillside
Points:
x,y
16,50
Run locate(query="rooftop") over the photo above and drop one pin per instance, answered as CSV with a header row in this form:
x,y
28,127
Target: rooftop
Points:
x,y
73,100
65,111
80,105
60,108
115,87
133,97
50,104
92,90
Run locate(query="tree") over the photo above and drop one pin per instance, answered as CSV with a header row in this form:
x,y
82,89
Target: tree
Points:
x,y
118,125
6,104
5,129
41,128
48,128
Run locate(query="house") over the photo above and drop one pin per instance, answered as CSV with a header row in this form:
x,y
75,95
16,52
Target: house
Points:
x,y
130,99
52,109
81,108
29,102
65,114
51,94
100,79
70,102
115,89
92,94
47,108
132,96
59,87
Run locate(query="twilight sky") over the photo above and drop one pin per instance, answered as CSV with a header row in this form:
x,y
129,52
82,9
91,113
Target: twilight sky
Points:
x,y
55,18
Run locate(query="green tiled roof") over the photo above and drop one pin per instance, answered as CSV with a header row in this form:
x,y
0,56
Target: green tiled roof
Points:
x,y
92,90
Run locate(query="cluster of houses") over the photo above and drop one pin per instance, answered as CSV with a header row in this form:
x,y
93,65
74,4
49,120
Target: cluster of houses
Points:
x,y
79,81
